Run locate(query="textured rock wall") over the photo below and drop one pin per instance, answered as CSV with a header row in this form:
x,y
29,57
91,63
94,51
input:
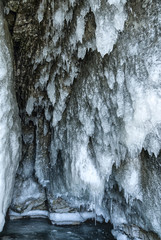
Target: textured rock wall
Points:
x,y
88,88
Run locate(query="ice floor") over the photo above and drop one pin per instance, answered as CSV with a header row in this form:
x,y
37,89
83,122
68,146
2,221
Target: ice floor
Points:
x,y
40,229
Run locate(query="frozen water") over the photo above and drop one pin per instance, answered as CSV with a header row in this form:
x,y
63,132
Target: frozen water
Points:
x,y
10,134
100,86
70,218
108,24
112,114
41,229
28,195
30,105
41,11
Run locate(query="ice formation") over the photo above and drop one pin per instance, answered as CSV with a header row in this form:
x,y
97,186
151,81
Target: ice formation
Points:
x,y
91,111
9,122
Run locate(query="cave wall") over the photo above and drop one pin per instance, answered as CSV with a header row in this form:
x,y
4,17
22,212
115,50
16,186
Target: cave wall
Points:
x,y
87,77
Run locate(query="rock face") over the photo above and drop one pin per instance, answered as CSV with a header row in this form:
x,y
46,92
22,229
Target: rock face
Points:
x,y
88,88
10,131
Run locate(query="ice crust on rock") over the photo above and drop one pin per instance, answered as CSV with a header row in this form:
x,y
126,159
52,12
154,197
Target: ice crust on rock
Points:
x,y
30,105
58,218
28,195
107,124
100,107
10,134
108,24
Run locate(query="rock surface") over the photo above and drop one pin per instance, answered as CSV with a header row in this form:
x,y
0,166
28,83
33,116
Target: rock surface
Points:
x,y
88,88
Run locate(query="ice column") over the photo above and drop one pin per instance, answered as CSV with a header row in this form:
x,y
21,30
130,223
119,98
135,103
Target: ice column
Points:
x,y
9,122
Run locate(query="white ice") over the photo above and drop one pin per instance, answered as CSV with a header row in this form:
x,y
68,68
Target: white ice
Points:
x,y
107,117
30,105
10,133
